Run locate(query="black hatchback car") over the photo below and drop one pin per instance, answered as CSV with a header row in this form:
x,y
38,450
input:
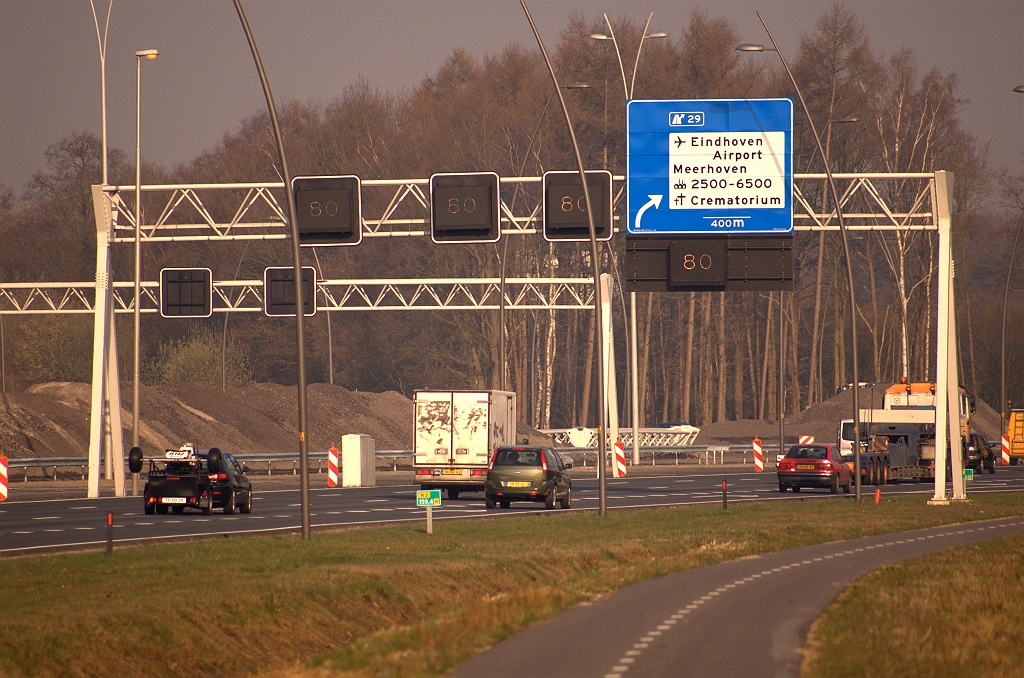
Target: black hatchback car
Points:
x,y
231,486
528,473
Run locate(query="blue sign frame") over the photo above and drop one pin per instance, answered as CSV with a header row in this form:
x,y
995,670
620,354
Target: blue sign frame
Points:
x,y
709,166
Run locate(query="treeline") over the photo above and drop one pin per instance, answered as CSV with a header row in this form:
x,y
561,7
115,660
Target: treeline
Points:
x,y
703,357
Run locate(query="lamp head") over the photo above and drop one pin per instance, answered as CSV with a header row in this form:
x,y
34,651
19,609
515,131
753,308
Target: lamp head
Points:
x,y
659,34
1019,89
147,54
577,85
599,36
748,47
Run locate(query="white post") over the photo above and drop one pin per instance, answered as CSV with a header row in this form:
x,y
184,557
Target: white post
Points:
x,y
612,399
115,459
103,210
635,380
943,349
944,195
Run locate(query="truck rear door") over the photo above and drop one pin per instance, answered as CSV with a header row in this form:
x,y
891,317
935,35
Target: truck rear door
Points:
x,y
469,432
433,429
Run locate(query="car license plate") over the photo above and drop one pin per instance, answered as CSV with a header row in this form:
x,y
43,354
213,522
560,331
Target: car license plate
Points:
x,y
451,472
173,500
805,467
517,483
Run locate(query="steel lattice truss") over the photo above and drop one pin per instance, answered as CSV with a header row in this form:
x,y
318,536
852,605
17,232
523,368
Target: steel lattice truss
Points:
x,y
454,294
400,207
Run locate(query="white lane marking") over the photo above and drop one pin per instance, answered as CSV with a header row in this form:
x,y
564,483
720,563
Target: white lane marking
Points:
x,y
363,510
372,501
152,523
58,517
53,530
93,528
82,508
30,532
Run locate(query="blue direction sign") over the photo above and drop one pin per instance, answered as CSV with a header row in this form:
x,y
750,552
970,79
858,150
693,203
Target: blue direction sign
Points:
x,y
706,166
428,498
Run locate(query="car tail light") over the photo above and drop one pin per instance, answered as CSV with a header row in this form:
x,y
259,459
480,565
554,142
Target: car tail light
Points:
x,y
478,472
218,476
423,471
543,462
494,457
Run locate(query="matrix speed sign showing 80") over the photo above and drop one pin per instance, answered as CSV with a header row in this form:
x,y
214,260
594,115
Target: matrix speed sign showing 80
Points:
x,y
709,166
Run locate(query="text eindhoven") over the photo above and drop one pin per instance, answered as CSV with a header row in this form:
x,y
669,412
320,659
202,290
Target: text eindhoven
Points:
x,y
759,182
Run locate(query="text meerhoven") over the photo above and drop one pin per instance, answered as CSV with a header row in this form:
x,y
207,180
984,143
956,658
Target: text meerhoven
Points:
x,y
727,169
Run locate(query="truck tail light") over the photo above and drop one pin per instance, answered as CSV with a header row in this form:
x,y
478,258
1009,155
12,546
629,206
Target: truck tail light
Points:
x,y
478,472
543,462
423,471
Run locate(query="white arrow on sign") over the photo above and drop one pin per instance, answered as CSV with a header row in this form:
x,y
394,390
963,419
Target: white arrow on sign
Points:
x,y
654,200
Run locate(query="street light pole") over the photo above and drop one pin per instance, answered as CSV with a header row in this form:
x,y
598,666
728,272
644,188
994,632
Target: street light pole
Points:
x,y
845,239
103,78
596,266
1003,414
149,55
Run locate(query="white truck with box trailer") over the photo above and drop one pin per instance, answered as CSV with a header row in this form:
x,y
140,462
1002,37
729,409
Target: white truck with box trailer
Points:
x,y
454,435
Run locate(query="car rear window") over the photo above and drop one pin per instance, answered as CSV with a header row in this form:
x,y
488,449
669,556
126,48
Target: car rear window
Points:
x,y
517,457
807,452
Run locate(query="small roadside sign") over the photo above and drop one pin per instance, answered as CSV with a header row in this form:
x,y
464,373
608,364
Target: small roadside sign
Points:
x,y
968,474
428,498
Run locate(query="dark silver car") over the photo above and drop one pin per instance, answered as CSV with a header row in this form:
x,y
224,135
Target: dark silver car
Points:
x,y
528,473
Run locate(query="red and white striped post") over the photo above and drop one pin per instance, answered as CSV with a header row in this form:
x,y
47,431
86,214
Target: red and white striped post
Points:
x,y
620,460
1006,450
3,478
332,467
758,456
806,440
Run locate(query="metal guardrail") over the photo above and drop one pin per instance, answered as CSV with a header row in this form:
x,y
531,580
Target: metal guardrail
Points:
x,y
690,454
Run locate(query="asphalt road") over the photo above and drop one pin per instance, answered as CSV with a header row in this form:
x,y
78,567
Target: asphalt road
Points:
x,y
27,526
741,618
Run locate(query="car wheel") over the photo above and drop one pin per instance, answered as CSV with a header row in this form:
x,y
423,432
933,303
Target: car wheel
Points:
x,y
566,501
549,499
247,506
796,488
178,510
834,487
848,487
489,501
149,509
229,504
505,503
453,493
161,509
782,488
991,466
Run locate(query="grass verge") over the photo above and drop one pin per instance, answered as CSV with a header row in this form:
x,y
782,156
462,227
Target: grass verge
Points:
x,y
387,600
955,613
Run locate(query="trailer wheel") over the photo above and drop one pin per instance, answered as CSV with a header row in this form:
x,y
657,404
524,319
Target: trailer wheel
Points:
x,y
149,509
796,488
883,476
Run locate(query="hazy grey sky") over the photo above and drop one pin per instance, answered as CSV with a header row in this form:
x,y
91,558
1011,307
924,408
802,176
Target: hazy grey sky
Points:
x,y
204,82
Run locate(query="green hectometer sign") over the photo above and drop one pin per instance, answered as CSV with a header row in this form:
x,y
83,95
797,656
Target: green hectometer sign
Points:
x,y
428,497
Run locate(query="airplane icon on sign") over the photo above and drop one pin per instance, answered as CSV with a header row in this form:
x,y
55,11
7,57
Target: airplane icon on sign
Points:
x,y
679,142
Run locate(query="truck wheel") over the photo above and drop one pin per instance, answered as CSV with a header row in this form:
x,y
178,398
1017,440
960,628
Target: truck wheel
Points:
x,y
566,501
549,499
872,473
453,493
883,474
247,506
229,504
208,509
489,501
796,488
177,510
505,503
148,509
1013,460
834,488
161,509
782,488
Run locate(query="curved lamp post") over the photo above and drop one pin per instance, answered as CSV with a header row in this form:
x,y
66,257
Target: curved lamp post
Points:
x,y
149,55
1019,89
846,245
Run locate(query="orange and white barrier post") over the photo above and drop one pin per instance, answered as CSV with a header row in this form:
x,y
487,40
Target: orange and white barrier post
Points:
x,y
758,456
620,460
3,478
332,467
1006,450
806,440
